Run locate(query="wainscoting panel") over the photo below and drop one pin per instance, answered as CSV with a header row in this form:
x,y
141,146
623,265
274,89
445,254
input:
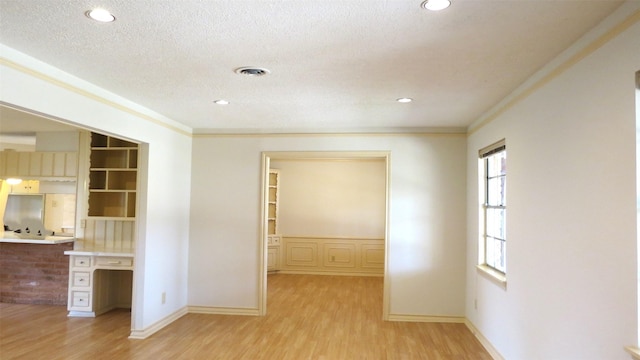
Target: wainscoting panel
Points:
x,y
373,256
301,254
341,256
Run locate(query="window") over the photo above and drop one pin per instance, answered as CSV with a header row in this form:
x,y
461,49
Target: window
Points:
x,y
493,243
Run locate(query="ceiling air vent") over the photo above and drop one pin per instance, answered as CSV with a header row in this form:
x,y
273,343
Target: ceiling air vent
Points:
x,y
252,71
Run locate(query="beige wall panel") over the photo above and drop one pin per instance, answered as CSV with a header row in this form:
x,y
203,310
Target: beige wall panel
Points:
x,y
337,255
301,254
372,256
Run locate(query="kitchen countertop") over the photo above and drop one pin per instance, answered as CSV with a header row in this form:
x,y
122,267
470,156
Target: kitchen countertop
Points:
x,y
11,237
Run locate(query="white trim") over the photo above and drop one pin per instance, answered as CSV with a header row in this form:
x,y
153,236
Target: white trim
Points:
x,y
624,17
427,318
633,351
386,131
332,273
263,242
493,275
332,237
213,310
13,59
157,326
83,314
483,340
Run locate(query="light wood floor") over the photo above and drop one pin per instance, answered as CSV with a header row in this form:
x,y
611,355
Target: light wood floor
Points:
x,y
309,317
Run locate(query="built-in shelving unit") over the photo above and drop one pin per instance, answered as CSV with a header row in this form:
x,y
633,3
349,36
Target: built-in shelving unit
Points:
x,y
102,261
112,177
273,238
272,220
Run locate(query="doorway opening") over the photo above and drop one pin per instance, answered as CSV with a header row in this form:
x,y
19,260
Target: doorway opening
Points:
x,y
347,246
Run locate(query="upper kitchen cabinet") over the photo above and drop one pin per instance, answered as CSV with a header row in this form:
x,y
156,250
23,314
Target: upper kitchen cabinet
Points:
x,y
39,165
112,177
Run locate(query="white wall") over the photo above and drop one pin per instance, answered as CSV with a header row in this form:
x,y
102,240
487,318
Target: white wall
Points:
x,y
571,223
57,140
426,243
162,244
332,198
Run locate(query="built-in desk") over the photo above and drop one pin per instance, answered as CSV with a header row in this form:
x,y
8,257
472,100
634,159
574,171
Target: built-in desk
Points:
x,y
99,281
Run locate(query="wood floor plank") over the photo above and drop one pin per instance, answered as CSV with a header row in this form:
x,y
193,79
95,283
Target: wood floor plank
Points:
x,y
309,317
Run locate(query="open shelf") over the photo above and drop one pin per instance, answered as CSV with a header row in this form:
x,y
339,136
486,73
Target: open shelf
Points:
x,y
112,177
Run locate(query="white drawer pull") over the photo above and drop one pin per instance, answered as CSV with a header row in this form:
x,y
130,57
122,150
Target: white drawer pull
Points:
x,y
114,262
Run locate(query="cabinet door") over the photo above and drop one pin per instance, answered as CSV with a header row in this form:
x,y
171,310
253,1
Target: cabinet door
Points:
x,y
59,163
273,258
71,164
35,165
26,187
11,163
47,164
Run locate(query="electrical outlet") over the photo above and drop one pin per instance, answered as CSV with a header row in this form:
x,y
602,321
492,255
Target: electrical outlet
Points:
x,y
164,297
475,304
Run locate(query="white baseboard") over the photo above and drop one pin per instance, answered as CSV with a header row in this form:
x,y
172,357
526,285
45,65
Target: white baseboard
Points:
x,y
84,314
426,318
223,310
145,333
332,273
484,341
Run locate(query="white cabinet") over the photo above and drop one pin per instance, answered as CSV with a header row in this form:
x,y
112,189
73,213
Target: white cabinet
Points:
x,y
38,164
273,252
25,187
273,260
80,271
98,283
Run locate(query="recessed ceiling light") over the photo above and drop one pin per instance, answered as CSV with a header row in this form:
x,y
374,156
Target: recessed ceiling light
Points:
x,y
436,5
222,102
404,100
252,71
101,15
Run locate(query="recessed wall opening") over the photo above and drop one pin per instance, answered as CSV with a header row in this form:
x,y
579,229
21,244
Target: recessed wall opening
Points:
x,y
324,213
105,221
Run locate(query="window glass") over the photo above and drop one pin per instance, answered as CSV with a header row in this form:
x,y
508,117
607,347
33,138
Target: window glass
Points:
x,y
495,210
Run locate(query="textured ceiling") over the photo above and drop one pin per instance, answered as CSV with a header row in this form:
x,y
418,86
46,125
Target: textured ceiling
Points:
x,y
335,65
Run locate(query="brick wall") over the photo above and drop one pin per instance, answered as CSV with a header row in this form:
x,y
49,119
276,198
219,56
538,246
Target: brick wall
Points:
x,y
34,273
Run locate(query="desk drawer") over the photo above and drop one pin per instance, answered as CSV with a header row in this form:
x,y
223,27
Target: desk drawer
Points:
x,y
81,278
82,261
115,262
80,299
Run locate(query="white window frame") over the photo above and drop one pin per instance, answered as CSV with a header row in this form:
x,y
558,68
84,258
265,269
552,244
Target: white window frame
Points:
x,y
497,275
